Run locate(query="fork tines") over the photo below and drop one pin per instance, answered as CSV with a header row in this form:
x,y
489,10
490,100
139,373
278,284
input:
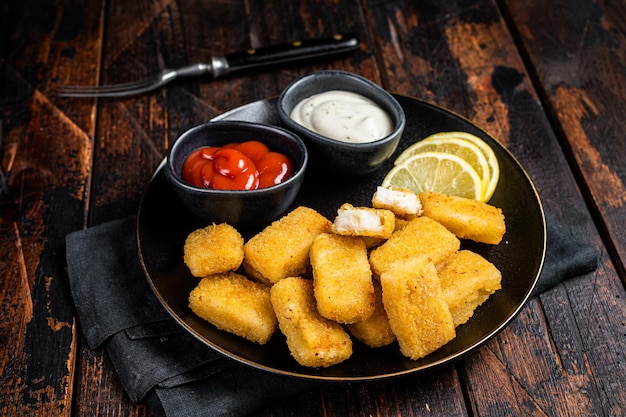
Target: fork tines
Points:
x,y
114,90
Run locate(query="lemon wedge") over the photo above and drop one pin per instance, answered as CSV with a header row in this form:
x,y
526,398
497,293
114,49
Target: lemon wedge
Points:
x,y
464,149
492,161
466,146
436,171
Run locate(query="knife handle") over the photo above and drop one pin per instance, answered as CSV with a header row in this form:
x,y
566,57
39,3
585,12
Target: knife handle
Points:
x,y
288,53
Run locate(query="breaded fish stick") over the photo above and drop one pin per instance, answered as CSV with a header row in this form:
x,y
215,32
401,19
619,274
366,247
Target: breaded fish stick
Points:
x,y
364,221
418,313
312,339
466,218
282,248
467,280
374,331
403,203
342,278
233,303
214,249
420,235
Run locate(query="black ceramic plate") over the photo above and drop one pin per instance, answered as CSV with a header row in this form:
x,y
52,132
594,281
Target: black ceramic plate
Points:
x,y
163,223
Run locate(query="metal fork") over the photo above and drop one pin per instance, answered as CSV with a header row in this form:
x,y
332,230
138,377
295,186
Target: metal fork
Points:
x,y
133,88
270,56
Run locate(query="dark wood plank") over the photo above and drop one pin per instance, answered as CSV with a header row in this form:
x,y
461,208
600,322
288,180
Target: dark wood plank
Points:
x,y
580,64
503,395
432,394
541,378
133,134
563,352
99,391
462,56
47,157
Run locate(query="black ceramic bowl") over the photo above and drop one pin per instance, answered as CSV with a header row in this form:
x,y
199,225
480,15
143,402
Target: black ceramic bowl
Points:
x,y
245,208
333,156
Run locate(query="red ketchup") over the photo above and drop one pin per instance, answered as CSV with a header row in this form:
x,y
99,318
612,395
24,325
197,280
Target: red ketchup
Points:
x,y
236,166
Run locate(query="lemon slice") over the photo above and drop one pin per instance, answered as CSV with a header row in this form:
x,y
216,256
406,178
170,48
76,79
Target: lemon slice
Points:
x,y
492,161
436,171
462,148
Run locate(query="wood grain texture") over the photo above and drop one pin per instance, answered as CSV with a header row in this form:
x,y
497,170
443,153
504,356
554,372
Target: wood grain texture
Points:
x,y
581,65
556,104
433,394
500,97
47,157
98,389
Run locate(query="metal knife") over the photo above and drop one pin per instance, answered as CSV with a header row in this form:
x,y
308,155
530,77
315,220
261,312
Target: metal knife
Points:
x,y
252,59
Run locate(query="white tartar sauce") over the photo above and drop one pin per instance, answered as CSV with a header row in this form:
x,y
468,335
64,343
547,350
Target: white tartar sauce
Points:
x,y
344,116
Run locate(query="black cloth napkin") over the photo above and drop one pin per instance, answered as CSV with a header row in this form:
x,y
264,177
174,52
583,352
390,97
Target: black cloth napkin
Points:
x,y
566,257
155,358
157,361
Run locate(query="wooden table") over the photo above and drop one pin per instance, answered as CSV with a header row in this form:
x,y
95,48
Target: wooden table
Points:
x,y
547,79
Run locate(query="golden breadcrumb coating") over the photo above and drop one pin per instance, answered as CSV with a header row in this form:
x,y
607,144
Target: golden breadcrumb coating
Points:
x,y
374,331
466,218
282,248
364,221
400,224
214,249
417,311
233,303
425,285
371,242
342,278
467,280
420,236
313,340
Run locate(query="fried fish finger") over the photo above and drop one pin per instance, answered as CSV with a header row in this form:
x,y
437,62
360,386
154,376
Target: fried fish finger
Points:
x,y
282,248
342,278
417,311
467,280
233,303
466,218
364,221
374,331
214,249
312,339
420,236
403,203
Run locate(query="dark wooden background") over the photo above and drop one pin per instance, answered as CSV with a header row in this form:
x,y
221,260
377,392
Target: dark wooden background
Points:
x,y
545,78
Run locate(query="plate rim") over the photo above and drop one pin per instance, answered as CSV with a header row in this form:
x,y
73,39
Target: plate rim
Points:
x,y
361,378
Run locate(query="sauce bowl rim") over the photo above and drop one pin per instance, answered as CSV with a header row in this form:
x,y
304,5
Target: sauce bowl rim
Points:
x,y
299,165
399,121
